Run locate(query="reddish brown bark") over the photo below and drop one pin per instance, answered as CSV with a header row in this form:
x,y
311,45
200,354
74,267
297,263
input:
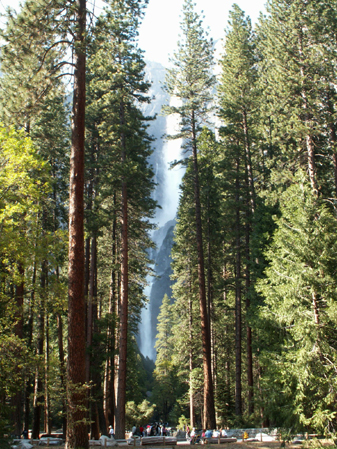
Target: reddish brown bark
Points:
x,y
124,298
192,420
62,371
123,316
77,435
47,418
209,409
250,211
17,399
109,392
238,330
249,352
38,385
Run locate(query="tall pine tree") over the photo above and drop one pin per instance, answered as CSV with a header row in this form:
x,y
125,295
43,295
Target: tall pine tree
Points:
x,y
191,81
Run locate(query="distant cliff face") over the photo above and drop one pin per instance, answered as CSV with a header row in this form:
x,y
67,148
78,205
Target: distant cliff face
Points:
x,y
167,196
162,285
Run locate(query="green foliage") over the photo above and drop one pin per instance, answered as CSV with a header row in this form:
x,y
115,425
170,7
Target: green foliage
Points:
x,y
136,375
138,414
277,105
237,91
5,443
182,422
296,77
34,45
119,178
300,309
166,388
15,361
24,184
190,80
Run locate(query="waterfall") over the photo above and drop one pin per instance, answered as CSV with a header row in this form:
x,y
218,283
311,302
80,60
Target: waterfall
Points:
x,y
145,334
173,176
167,194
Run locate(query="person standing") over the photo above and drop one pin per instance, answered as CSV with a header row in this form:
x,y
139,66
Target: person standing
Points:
x,y
111,432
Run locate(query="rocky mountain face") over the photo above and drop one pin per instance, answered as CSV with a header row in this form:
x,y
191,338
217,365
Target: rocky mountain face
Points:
x,y
161,285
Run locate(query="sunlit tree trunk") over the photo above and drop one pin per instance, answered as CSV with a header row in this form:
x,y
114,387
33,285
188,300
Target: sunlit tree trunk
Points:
x,y
209,410
77,436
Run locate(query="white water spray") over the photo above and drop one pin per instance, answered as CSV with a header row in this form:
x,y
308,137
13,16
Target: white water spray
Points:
x,y
171,151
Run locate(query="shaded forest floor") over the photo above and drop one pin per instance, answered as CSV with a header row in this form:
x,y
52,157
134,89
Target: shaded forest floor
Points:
x,y
311,444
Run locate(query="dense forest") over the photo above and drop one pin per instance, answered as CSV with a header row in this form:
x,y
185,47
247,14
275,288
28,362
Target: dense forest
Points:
x,y
249,336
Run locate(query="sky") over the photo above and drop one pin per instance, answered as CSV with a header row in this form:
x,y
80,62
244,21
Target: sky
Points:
x,y
159,32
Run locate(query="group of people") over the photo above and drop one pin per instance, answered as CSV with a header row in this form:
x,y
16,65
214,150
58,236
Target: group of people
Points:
x,y
150,430
195,436
155,429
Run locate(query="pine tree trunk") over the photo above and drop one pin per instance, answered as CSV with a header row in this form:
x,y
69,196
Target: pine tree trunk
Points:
x,y
228,349
250,212
47,428
311,163
94,375
37,405
90,307
29,382
209,409
249,167
123,332
77,435
315,307
62,371
87,270
38,385
307,120
333,139
192,424
109,391
238,337
17,399
250,380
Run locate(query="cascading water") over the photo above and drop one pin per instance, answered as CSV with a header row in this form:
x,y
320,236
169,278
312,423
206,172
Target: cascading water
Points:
x,y
167,194
145,334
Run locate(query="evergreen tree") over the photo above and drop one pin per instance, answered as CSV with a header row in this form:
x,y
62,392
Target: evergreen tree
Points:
x,y
295,78
40,32
165,391
24,185
299,310
119,176
191,81
238,96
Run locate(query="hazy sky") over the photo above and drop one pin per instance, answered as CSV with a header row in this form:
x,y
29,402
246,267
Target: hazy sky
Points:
x,y
160,29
